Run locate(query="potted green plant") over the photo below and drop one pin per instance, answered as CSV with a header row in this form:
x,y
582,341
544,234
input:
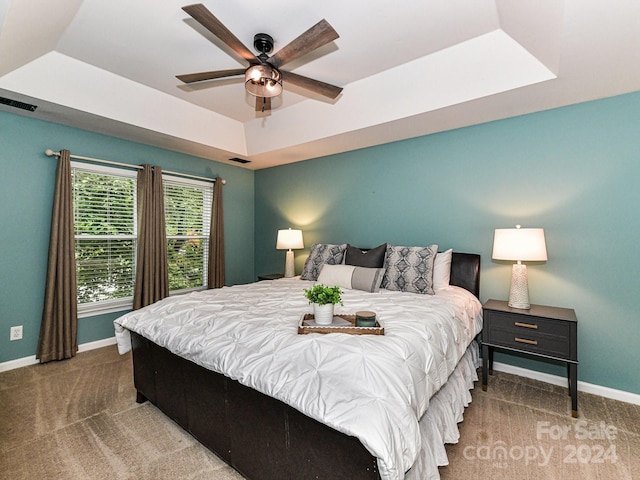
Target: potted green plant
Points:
x,y
323,299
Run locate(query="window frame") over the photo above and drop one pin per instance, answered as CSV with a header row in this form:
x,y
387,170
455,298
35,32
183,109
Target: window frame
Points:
x,y
206,224
102,307
119,304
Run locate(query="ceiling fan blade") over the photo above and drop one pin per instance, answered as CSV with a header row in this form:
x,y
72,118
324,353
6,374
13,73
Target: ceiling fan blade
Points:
x,y
204,17
317,36
316,86
199,77
263,104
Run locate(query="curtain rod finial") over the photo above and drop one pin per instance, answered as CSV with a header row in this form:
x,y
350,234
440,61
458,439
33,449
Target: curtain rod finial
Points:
x,y
49,153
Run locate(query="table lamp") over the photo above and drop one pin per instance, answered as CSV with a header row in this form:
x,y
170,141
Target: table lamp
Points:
x,y
288,239
520,245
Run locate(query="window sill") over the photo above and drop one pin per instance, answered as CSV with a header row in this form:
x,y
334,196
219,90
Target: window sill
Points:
x,y
101,308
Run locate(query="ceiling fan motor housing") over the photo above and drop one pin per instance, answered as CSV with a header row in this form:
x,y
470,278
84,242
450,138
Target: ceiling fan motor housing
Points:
x,y
263,42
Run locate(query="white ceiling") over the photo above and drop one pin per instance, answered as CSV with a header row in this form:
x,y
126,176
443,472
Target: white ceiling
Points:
x,y
408,68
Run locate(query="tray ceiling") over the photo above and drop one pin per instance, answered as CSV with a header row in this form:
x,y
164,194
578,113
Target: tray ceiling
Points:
x,y
408,68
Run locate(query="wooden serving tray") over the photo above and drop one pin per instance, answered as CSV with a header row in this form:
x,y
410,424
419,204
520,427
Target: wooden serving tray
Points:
x,y
308,325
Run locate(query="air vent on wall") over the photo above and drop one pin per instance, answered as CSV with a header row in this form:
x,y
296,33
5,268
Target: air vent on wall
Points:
x,y
239,160
16,104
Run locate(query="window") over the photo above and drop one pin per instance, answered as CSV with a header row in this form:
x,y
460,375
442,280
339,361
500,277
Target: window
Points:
x,y
104,204
105,218
187,209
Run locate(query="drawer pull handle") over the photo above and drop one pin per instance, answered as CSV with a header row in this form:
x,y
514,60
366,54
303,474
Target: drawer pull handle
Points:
x,y
526,325
524,340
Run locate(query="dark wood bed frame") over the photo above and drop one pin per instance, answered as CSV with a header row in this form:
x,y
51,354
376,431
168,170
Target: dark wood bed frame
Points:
x,y
261,437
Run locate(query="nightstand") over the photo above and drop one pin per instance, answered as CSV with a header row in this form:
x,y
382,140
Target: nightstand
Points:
x,y
270,276
548,332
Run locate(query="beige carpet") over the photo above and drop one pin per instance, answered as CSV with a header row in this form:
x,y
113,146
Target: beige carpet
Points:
x,y
521,429
78,419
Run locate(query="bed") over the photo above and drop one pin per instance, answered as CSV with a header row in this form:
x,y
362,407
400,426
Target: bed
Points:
x,y
229,367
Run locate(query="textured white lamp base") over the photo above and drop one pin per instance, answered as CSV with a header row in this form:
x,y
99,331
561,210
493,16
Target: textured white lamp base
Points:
x,y
519,292
289,268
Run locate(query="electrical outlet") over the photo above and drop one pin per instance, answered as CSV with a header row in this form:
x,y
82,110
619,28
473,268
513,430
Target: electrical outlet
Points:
x,y
16,333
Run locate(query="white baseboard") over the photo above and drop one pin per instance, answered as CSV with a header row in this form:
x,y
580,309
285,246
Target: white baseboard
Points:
x,y
606,392
32,360
17,363
97,344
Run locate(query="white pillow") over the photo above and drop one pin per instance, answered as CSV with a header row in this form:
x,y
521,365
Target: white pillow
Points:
x,y
339,275
442,269
351,277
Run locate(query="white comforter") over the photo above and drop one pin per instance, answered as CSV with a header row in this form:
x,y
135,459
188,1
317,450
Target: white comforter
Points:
x,y
373,387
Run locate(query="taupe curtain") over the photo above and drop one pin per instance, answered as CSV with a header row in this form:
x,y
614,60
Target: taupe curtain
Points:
x,y
152,271
59,327
215,273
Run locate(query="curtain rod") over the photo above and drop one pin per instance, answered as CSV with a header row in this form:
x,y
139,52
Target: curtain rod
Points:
x,y
50,153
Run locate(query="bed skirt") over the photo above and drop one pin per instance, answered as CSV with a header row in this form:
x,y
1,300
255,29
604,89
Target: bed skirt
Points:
x,y
439,425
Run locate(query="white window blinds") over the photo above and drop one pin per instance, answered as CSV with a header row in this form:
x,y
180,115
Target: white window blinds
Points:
x,y
188,218
104,202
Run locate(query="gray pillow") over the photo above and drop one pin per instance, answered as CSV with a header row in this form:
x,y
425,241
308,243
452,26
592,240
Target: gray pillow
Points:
x,y
372,258
409,269
367,279
319,255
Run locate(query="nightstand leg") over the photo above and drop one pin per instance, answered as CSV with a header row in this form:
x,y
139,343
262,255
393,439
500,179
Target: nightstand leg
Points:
x,y
485,366
573,383
491,361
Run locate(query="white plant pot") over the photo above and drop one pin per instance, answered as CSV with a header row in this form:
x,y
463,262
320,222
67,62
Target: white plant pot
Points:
x,y
323,314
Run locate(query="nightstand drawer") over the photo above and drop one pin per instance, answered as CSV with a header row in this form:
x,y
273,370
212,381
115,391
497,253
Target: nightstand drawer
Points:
x,y
543,336
530,341
528,325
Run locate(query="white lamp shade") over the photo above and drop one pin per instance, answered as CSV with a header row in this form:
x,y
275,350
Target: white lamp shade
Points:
x,y
289,239
519,244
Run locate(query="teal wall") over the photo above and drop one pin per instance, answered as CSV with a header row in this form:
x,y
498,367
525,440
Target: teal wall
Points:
x,y
26,190
574,171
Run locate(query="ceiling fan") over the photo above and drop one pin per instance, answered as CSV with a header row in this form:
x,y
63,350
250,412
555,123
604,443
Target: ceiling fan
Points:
x,y
263,77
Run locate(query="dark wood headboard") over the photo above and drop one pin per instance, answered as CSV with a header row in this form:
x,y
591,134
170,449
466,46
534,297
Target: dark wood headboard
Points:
x,y
465,272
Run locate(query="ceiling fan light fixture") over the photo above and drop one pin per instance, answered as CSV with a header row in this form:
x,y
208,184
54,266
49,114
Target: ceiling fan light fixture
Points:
x,y
263,78
263,81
